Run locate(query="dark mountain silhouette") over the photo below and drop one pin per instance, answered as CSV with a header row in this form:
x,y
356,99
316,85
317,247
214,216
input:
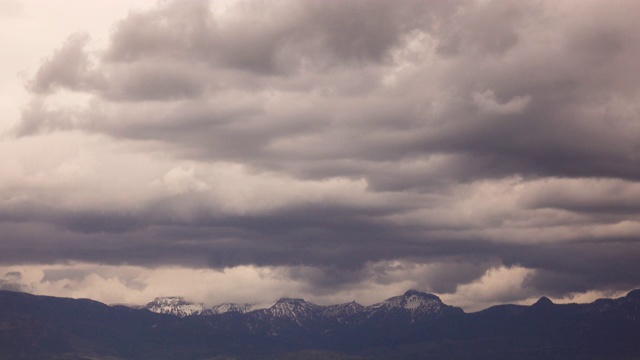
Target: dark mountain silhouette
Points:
x,y
413,325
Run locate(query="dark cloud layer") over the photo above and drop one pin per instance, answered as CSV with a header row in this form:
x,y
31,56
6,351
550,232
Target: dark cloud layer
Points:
x,y
436,106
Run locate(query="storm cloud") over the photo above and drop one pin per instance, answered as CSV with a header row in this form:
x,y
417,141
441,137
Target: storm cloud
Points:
x,y
343,143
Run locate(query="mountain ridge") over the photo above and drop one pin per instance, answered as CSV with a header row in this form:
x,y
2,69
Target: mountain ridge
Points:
x,y
44,327
412,300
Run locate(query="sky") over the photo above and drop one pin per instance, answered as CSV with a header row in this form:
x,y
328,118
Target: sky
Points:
x,y
484,151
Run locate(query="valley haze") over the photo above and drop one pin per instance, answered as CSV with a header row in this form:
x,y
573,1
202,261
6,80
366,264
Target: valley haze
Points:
x,y
241,151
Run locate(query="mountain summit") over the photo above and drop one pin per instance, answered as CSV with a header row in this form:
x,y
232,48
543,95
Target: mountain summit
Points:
x,y
174,305
296,309
413,302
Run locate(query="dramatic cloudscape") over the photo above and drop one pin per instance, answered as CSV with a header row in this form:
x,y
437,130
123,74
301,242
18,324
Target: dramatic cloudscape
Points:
x,y
485,151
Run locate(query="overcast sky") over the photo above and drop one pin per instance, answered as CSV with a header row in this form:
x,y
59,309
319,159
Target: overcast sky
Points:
x,y
485,151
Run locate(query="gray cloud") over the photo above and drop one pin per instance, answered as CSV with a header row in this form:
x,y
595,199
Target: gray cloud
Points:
x,y
471,135
272,38
69,67
11,281
602,196
539,125
561,269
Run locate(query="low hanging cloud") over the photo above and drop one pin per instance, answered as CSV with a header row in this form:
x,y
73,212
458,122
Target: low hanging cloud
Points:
x,y
460,138
12,281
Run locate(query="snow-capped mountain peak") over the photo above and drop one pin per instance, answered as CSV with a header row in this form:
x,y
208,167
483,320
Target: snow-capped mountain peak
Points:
x,y
178,306
170,300
413,301
174,305
233,307
293,308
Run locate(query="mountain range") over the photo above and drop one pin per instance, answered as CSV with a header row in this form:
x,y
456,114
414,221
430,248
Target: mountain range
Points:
x,y
414,303
413,325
